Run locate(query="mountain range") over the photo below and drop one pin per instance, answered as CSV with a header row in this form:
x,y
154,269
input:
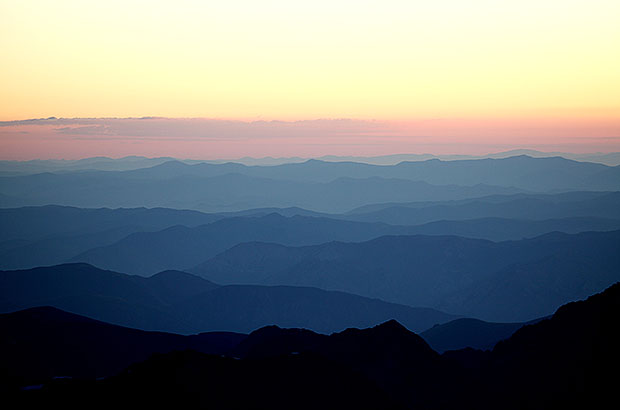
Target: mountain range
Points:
x,y
8,167
146,241
396,282
316,185
179,247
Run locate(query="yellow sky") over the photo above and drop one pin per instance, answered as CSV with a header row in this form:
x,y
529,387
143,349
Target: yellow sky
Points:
x,y
314,59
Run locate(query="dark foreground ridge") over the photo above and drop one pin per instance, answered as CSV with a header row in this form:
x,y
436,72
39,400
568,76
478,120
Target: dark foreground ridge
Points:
x,y
467,332
44,342
561,362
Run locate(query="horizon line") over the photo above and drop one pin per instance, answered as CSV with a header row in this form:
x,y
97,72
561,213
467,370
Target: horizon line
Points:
x,y
347,158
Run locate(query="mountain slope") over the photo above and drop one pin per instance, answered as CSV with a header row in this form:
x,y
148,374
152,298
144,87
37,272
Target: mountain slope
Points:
x,y
243,308
83,289
40,222
222,193
183,303
181,247
521,206
504,229
504,282
44,342
49,235
565,361
465,332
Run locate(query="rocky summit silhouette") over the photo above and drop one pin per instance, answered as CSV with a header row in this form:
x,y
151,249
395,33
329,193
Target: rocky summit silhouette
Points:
x,y
565,361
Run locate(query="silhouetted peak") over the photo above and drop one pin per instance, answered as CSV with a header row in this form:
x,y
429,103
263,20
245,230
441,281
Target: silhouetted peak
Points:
x,y
387,339
392,326
36,311
273,331
391,331
68,267
274,341
267,330
45,315
388,332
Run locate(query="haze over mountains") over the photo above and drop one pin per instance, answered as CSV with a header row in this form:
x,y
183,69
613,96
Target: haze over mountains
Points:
x,y
133,241
522,206
395,251
136,162
316,185
465,252
226,192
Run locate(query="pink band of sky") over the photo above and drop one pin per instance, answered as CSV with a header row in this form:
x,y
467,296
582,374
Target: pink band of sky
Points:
x,y
216,139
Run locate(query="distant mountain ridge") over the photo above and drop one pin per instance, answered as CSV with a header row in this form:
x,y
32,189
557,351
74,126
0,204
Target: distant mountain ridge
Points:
x,y
516,171
32,223
520,206
134,162
220,193
316,185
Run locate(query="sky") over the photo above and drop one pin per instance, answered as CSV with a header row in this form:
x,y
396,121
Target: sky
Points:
x,y
283,78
